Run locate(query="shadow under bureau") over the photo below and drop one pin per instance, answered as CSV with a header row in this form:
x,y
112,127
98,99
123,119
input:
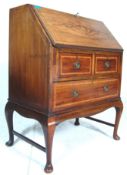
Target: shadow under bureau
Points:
x,y
61,66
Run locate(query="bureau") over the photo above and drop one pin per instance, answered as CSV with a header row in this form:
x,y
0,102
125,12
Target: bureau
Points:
x,y
61,66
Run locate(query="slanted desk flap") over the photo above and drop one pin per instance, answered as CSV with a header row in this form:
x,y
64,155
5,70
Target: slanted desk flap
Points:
x,y
70,30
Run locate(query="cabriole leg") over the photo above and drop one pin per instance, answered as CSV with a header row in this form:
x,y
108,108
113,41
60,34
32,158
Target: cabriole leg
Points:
x,y
117,120
77,122
9,118
48,134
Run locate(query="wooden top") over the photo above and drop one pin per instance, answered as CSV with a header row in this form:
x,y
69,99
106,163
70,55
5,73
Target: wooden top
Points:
x,y
67,30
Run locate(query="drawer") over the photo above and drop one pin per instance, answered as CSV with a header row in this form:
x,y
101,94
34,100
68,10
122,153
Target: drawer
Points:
x,y
69,94
105,64
71,65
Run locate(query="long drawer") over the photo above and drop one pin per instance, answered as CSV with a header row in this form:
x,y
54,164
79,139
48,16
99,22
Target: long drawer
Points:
x,y
73,93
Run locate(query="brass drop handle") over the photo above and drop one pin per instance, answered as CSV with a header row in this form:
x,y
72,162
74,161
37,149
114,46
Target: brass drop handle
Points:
x,y
107,64
77,65
106,88
75,93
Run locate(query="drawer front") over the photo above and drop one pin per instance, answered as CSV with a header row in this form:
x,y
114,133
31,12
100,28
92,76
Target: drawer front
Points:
x,y
71,65
69,94
106,64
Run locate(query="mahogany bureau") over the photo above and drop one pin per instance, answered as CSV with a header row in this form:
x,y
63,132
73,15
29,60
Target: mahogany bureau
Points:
x,y
61,66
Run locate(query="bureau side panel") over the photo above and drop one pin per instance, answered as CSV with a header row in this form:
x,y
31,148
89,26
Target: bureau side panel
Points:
x,y
29,54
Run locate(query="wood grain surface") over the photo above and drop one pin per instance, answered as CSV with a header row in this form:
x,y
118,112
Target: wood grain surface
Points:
x,y
70,30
